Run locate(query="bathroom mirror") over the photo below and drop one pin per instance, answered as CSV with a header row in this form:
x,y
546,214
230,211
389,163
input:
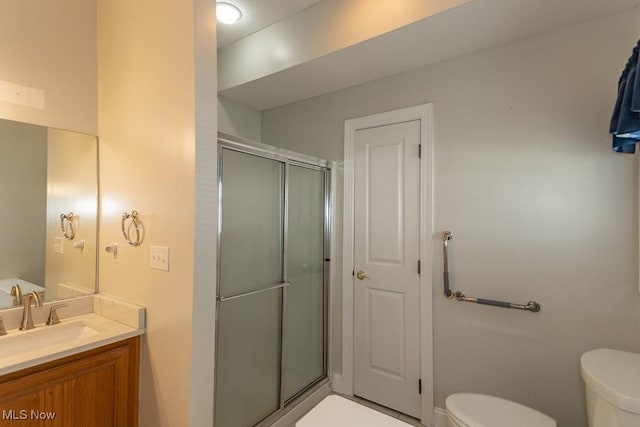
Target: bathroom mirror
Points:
x,y
46,173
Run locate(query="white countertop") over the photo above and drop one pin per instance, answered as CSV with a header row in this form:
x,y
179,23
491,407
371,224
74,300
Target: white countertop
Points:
x,y
100,329
109,331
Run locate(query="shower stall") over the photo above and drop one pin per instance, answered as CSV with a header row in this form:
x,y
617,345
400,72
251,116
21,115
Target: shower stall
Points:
x,y
272,285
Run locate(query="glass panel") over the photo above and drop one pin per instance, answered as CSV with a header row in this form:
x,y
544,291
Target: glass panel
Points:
x,y
304,342
252,223
248,371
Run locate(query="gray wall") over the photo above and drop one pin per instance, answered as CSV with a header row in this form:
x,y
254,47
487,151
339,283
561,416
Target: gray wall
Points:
x,y
238,119
540,206
23,201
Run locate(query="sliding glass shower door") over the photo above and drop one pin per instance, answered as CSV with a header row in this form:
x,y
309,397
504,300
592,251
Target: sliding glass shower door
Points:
x,y
250,290
304,339
272,293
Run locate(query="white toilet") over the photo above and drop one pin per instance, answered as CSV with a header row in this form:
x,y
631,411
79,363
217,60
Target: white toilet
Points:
x,y
480,410
612,382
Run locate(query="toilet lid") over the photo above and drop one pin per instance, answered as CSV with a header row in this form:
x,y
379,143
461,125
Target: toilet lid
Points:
x,y
614,375
479,410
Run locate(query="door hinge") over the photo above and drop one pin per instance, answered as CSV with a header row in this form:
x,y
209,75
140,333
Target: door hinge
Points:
x,y
419,151
419,267
420,386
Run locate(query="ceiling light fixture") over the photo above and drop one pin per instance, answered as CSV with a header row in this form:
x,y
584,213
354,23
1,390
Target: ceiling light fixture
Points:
x,y
227,13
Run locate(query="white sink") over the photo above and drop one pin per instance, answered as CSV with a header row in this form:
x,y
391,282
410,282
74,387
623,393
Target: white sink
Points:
x,y
19,342
73,335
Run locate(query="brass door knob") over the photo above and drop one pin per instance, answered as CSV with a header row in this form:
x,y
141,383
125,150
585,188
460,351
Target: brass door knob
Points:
x,y
361,275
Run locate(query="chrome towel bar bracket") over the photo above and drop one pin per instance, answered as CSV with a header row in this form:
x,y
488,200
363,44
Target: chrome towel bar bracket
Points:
x,y
531,306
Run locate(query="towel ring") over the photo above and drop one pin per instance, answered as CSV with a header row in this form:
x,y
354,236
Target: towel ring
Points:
x,y
68,228
126,231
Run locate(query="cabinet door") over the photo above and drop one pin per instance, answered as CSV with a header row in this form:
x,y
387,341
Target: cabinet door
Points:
x,y
97,388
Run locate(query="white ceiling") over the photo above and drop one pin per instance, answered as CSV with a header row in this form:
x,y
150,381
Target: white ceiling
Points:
x,y
258,14
477,25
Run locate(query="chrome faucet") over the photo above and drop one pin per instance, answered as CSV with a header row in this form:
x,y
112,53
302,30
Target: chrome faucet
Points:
x,y
27,319
16,292
53,314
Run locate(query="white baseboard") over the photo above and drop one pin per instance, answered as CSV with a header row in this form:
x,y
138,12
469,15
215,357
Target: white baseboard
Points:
x,y
439,417
336,383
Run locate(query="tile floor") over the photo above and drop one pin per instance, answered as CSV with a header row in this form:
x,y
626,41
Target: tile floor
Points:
x,y
395,414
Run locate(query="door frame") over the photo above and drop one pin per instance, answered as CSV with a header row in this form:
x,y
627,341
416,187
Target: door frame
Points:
x,y
423,113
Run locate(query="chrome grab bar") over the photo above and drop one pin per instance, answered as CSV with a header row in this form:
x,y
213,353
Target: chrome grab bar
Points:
x,y
531,306
446,236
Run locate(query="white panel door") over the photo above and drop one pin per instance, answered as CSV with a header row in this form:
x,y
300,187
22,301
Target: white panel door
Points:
x,y
386,250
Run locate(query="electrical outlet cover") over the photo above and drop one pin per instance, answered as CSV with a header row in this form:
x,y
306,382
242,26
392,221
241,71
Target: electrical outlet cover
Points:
x,y
58,245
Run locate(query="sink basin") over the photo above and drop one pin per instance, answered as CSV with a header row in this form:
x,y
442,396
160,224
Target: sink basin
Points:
x,y
19,342
73,335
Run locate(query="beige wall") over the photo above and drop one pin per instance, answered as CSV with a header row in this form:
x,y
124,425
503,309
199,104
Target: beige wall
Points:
x,y
72,186
51,45
23,192
540,206
151,125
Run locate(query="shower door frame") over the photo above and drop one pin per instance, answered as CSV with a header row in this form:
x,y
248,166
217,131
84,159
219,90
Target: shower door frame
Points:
x,y
288,158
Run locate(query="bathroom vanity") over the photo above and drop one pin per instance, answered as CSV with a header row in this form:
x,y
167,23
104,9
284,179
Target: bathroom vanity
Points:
x,y
81,372
96,388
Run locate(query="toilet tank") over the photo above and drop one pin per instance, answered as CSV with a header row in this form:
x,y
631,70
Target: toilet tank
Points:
x,y
612,384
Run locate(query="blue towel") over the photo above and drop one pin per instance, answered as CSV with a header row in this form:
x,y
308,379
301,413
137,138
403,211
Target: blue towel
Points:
x,y
625,122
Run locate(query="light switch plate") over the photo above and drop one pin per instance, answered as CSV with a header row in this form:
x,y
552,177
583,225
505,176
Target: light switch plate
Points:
x,y
159,258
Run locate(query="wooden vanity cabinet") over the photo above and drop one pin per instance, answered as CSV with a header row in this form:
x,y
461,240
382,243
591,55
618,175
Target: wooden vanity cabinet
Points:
x,y
95,388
